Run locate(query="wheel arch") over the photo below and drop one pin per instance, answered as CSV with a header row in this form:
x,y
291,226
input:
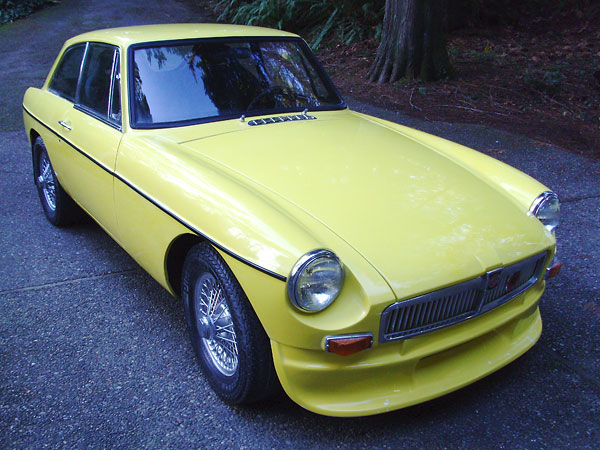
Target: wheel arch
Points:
x,y
33,135
175,257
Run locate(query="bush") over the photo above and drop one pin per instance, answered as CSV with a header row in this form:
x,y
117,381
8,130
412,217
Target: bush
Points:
x,y
348,20
11,10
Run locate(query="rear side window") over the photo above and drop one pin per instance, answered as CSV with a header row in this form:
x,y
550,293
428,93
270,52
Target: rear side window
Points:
x,y
98,72
64,80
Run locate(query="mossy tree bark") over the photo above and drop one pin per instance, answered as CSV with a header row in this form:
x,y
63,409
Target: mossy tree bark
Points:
x,y
412,43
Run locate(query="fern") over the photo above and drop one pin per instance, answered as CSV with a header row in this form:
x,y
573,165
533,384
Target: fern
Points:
x,y
347,20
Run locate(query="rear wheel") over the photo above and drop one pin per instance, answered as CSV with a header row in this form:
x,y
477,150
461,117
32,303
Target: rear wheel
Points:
x,y
232,348
59,208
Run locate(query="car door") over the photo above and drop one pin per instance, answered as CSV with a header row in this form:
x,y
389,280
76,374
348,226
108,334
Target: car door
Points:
x,y
92,128
54,105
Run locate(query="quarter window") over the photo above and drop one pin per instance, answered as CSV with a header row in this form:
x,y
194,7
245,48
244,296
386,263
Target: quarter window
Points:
x,y
64,80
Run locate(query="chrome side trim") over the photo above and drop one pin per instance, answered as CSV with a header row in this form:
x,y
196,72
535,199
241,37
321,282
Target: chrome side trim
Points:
x,y
278,119
160,206
463,301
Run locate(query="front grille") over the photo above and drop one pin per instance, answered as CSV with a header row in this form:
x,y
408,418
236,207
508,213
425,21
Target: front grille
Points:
x,y
460,302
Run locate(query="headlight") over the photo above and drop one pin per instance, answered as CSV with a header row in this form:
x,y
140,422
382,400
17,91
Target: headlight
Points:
x,y
547,209
316,280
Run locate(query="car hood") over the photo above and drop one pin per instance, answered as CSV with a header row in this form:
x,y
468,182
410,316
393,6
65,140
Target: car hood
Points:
x,y
419,218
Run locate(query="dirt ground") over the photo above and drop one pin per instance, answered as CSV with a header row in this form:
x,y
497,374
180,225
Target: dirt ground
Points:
x,y
540,80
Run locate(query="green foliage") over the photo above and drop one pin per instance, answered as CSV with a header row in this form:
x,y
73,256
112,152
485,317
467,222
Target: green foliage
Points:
x,y
348,20
482,57
11,10
453,52
548,81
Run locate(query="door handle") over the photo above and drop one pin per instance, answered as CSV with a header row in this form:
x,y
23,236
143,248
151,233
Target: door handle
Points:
x,y
65,124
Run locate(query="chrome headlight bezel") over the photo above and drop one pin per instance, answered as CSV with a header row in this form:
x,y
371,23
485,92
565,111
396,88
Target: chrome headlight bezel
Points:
x,y
541,204
308,260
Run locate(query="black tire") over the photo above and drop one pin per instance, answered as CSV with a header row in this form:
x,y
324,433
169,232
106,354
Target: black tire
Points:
x,y
59,208
210,291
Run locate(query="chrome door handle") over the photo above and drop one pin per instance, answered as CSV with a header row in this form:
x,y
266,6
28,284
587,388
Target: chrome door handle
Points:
x,y
65,124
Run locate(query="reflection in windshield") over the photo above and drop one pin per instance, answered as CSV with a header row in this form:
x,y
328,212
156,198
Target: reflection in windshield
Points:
x,y
211,80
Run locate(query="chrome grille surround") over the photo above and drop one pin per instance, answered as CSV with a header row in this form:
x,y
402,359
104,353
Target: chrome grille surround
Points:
x,y
454,304
277,119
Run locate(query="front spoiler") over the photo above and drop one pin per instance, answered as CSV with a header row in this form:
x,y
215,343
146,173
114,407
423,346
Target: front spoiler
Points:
x,y
398,374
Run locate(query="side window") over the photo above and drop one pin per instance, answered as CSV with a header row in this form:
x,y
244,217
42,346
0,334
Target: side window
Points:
x,y
94,91
64,80
115,99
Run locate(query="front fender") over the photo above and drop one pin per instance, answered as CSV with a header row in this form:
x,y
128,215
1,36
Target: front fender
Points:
x,y
259,235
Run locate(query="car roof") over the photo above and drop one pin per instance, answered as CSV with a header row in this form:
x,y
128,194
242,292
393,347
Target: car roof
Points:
x,y
126,36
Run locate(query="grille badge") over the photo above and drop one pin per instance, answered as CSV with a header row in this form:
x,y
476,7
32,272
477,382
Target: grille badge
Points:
x,y
513,281
494,278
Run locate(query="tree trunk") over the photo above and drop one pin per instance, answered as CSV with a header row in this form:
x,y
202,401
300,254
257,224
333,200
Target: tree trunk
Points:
x,y
412,43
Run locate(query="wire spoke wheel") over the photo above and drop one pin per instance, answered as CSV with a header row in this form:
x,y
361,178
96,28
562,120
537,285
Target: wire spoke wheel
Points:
x,y
47,182
232,348
59,208
215,324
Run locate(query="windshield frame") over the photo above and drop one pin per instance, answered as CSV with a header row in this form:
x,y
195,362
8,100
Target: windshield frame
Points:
x,y
241,39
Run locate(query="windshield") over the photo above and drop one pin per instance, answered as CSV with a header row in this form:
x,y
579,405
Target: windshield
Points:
x,y
206,80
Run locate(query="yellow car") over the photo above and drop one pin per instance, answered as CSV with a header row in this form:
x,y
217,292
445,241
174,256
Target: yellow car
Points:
x,y
363,265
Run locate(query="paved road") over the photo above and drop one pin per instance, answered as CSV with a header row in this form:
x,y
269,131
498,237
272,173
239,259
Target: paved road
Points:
x,y
94,353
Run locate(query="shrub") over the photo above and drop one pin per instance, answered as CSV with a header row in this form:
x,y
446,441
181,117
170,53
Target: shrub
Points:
x,y
11,10
348,20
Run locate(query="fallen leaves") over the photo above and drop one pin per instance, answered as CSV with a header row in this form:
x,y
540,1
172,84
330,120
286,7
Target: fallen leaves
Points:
x,y
540,83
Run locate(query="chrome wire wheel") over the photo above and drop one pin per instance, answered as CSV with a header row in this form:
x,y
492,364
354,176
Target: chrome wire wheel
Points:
x,y
215,324
47,182
229,341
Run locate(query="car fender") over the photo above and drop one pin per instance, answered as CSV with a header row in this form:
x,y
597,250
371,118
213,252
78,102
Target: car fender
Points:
x,y
174,190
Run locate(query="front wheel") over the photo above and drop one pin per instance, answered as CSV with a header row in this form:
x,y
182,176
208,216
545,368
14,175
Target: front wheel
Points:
x,y
232,348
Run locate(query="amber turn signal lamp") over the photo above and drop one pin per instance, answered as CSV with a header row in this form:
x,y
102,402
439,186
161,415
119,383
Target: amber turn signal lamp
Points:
x,y
554,269
348,344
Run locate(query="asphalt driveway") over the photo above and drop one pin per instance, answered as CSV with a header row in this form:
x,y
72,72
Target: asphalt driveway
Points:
x,y
94,353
